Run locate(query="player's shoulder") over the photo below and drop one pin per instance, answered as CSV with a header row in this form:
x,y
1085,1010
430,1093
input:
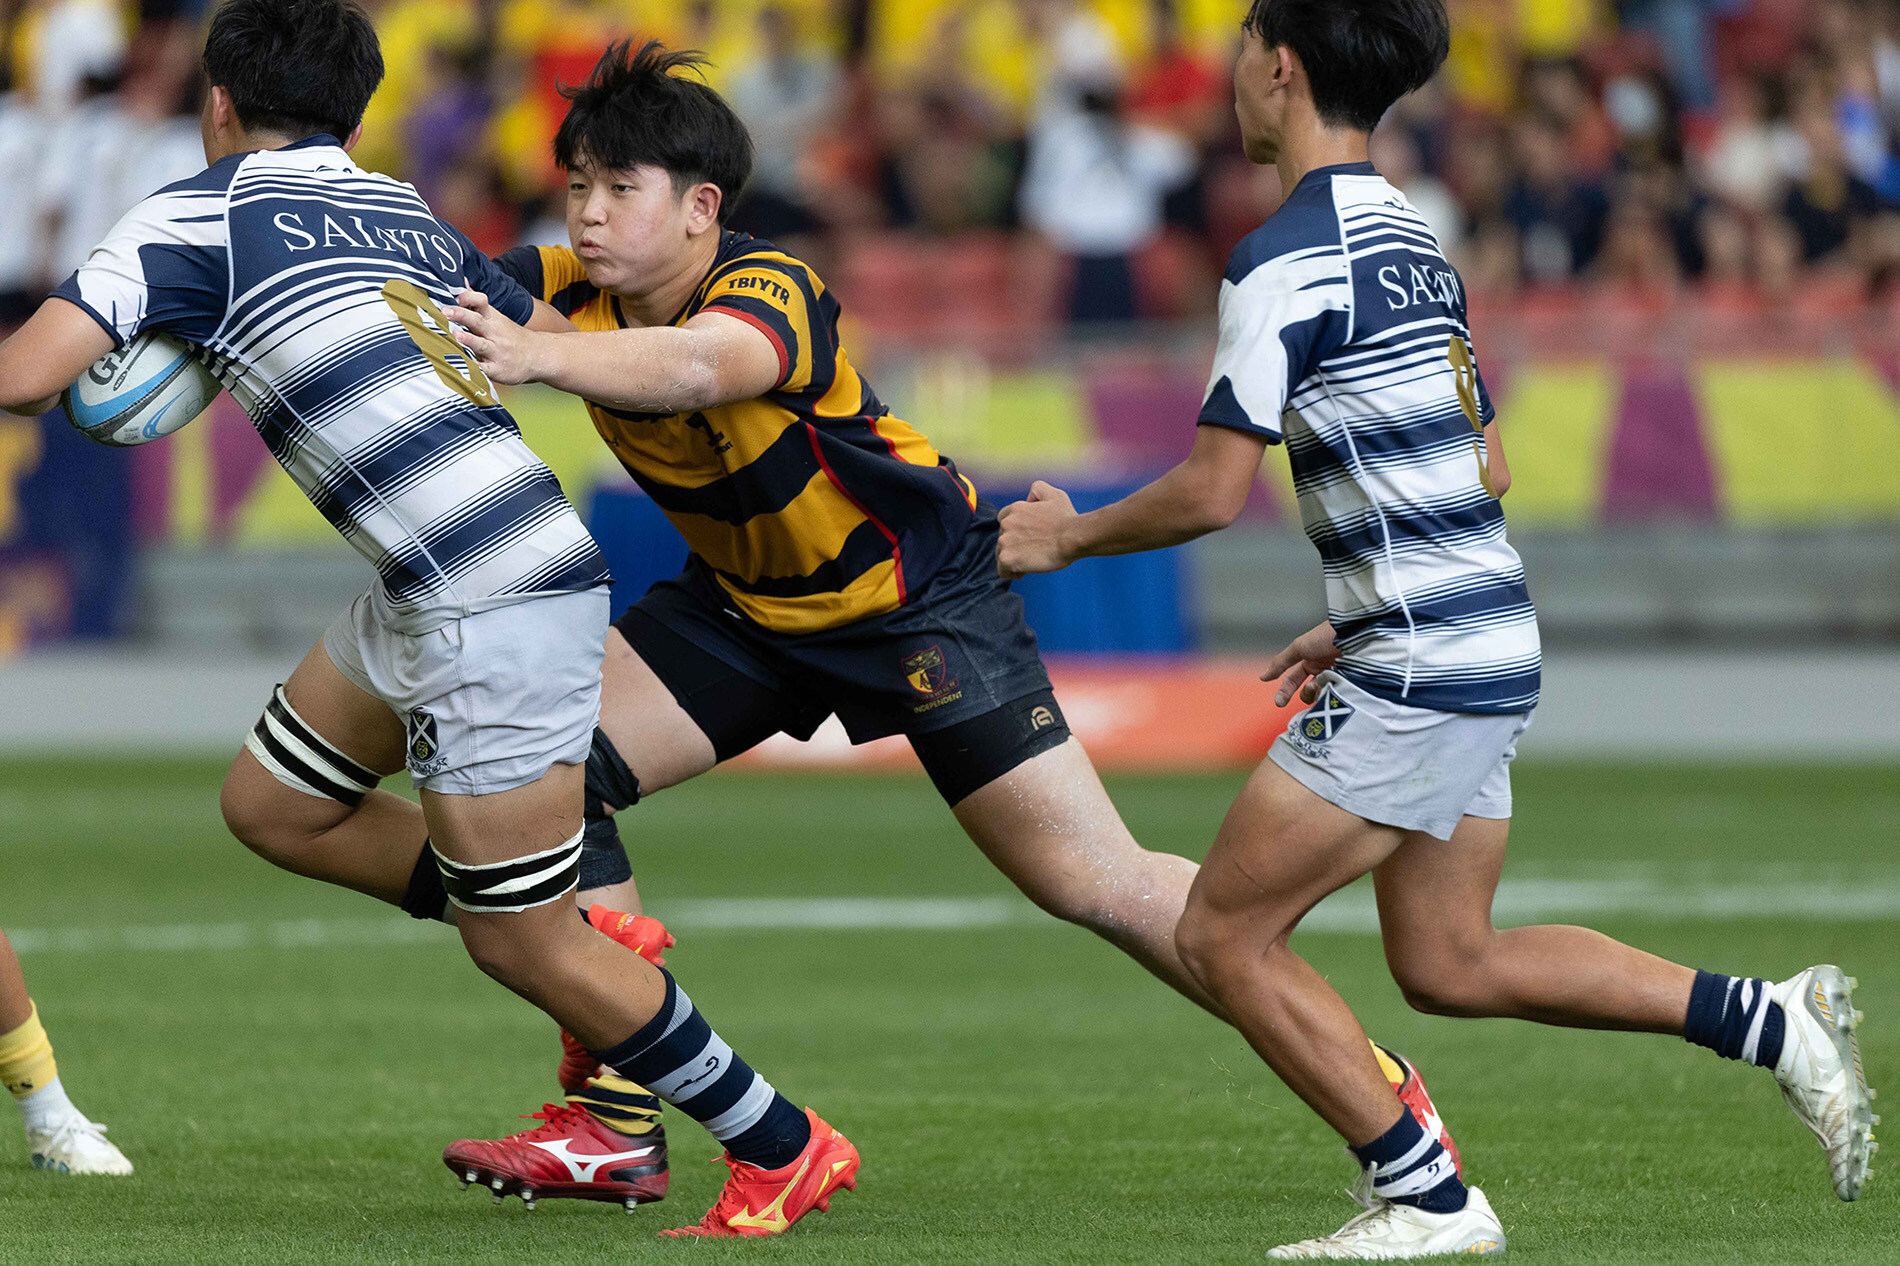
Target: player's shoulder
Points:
x,y
1302,234
189,212
554,274
214,180
743,256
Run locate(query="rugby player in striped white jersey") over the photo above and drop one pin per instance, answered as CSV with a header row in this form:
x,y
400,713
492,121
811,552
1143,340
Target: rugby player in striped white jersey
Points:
x,y
315,289
1343,334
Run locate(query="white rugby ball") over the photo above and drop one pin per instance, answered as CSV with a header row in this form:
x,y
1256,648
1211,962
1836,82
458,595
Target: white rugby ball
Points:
x,y
144,391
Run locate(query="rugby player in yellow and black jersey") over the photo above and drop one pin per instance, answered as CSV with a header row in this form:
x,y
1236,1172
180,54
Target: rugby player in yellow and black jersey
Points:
x,y
840,564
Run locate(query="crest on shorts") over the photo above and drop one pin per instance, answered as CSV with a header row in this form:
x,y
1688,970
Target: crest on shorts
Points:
x,y
926,671
423,743
1326,717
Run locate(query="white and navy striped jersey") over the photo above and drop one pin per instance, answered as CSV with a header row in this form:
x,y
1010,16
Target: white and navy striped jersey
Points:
x,y
315,289
1342,332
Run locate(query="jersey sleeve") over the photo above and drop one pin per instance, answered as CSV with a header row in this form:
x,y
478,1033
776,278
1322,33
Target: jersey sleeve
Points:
x,y
1277,321
164,266
777,297
1487,412
523,263
553,274
509,296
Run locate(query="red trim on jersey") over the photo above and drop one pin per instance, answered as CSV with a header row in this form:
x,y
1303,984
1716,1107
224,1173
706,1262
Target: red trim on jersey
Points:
x,y
897,553
778,344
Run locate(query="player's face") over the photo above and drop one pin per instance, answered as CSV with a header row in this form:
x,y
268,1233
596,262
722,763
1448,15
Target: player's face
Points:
x,y
629,226
1258,101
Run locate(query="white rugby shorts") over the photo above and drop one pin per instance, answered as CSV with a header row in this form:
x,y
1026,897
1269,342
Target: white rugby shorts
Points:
x,y
490,701
1391,763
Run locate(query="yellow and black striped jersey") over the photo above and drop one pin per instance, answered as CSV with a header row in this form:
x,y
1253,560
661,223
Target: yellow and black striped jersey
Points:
x,y
812,504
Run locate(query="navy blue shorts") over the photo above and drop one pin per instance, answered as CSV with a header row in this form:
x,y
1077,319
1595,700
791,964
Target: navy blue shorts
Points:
x,y
958,661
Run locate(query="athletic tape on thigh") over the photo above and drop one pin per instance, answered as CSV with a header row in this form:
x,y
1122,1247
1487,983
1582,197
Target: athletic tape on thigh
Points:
x,y
300,758
512,886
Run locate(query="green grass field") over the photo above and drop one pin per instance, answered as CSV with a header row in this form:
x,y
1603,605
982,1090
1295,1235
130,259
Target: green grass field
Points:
x,y
1020,1093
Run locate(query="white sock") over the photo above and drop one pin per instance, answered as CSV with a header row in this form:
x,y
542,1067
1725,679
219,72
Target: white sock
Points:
x,y
47,1106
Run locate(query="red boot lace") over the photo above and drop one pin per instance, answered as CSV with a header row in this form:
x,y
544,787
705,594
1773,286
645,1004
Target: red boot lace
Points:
x,y
560,1118
731,1196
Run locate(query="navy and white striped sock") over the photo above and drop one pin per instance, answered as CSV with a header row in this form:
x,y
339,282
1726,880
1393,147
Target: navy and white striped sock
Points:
x,y
678,1057
1409,1166
1732,1016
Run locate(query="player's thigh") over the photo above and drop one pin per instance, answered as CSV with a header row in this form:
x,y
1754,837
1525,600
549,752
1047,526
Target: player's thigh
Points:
x,y
1048,822
342,714
1435,895
1280,850
654,733
502,826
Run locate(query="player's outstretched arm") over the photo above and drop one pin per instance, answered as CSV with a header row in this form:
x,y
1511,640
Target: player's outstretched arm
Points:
x,y
46,355
713,359
1203,494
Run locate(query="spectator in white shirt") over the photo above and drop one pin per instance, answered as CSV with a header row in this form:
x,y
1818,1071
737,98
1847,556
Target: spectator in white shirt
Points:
x,y
1094,186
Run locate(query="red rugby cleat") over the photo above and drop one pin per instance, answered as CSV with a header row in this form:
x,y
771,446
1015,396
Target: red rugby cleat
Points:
x,y
646,937
1410,1088
769,1201
571,1155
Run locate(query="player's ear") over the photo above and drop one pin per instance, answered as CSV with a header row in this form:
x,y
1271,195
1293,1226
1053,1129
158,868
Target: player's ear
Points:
x,y
1284,64
356,134
220,114
703,201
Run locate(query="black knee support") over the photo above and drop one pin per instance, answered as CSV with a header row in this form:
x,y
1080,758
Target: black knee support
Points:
x,y
426,897
610,785
603,857
609,782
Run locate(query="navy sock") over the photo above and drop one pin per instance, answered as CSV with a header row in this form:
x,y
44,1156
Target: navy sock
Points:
x,y
1410,1168
678,1057
1732,1016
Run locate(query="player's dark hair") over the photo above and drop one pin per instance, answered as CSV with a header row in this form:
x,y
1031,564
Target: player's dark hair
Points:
x,y
295,67
635,111
1360,55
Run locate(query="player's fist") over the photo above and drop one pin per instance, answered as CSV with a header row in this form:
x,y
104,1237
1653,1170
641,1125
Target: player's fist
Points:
x,y
1032,533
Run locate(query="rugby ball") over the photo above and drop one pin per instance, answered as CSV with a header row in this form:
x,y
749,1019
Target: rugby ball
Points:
x,y
142,392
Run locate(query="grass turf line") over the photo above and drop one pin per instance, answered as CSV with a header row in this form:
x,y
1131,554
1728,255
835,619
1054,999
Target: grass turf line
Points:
x,y
1021,1095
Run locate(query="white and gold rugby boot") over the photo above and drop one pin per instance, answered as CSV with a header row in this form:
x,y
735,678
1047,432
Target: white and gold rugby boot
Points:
x,y
1821,1075
1387,1232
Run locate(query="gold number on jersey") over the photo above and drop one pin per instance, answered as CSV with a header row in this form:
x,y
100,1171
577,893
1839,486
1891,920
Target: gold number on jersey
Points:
x,y
416,310
1464,372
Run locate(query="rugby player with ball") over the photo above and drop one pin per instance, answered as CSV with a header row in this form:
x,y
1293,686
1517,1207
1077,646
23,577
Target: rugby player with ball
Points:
x,y
313,290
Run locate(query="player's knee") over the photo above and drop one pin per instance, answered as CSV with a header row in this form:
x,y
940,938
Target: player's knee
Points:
x,y
1450,981
1206,945
505,949
246,809
1439,998
1074,903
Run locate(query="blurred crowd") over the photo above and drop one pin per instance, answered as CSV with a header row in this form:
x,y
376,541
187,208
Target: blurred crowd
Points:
x,y
1742,151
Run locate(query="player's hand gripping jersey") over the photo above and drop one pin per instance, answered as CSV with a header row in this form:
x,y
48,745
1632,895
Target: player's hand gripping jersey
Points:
x,y
316,287
812,505
1343,332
